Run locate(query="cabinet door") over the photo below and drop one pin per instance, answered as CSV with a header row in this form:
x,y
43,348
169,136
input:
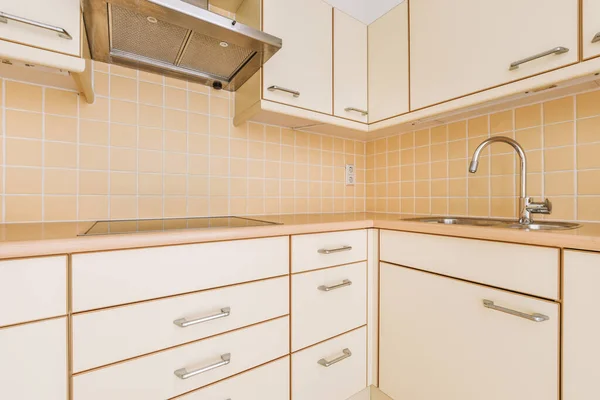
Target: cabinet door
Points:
x,y
304,64
581,327
62,14
33,361
388,64
591,28
349,67
461,47
439,341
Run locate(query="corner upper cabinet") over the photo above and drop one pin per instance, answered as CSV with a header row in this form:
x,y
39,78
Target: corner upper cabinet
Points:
x,y
300,74
388,65
349,67
462,47
591,28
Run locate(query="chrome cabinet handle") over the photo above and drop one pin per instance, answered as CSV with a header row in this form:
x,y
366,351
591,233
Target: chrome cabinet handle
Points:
x,y
345,282
183,373
325,363
336,250
532,317
273,88
556,50
4,17
184,323
596,38
358,110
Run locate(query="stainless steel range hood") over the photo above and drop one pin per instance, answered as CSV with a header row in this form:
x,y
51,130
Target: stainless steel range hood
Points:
x,y
176,38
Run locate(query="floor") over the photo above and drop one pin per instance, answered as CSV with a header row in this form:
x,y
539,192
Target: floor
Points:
x,y
370,393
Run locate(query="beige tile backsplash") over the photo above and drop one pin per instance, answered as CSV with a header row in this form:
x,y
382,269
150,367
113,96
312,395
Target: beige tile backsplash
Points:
x,y
426,171
154,147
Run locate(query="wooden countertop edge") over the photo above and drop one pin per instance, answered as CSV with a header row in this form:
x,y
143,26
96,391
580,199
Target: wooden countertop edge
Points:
x,y
48,247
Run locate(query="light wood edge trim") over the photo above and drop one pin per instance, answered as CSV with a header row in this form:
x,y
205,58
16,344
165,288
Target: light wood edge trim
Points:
x,y
378,266
290,312
515,292
328,339
338,230
89,370
121,305
329,267
69,328
561,326
233,376
33,321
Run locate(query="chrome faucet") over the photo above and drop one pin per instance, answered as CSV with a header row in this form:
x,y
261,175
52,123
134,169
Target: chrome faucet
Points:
x,y
526,204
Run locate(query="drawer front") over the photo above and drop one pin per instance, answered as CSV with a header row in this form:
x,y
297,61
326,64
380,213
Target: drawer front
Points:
x,y
313,381
153,377
63,14
527,269
328,302
125,276
33,361
103,337
35,288
268,382
322,250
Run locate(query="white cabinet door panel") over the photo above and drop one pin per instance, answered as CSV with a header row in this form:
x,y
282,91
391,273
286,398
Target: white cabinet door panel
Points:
x,y
461,47
591,28
439,341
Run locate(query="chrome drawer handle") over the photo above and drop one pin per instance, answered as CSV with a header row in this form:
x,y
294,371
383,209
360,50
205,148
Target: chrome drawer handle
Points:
x,y
596,38
345,282
4,17
556,50
325,363
273,88
358,110
336,250
184,323
184,374
532,317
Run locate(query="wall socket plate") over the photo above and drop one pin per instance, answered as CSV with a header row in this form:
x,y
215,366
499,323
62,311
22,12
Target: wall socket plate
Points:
x,y
350,175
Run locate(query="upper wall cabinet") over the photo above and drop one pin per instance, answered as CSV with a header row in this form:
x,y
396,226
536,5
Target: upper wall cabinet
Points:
x,y
388,64
591,28
300,74
462,47
51,25
349,67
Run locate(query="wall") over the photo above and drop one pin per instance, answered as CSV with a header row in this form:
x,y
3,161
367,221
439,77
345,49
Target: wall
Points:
x,y
425,172
154,147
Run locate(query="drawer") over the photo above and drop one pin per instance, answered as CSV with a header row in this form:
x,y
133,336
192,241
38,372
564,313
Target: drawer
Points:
x,y
63,14
320,250
268,382
345,375
33,361
125,276
104,337
35,288
526,269
153,377
328,302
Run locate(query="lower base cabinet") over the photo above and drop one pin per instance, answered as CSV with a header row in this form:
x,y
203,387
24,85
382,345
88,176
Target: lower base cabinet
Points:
x,y
267,382
185,368
33,361
333,370
439,341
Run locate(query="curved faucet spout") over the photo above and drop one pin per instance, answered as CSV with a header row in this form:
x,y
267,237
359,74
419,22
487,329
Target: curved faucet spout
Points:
x,y
515,145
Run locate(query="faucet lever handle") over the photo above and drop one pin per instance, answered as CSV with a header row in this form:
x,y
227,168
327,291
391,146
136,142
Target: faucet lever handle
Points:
x,y
540,208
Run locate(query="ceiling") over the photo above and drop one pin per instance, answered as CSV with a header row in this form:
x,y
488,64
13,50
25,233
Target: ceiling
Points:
x,y
366,11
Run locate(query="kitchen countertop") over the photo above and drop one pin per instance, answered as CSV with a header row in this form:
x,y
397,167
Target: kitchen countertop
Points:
x,y
38,239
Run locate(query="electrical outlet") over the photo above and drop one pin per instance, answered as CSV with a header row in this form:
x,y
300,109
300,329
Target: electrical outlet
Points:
x,y
350,175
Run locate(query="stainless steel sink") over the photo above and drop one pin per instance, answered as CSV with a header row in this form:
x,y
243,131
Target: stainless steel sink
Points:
x,y
497,223
543,226
459,221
